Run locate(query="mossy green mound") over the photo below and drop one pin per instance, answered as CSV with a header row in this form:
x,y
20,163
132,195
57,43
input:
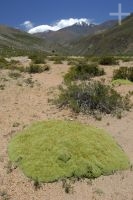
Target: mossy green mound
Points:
x,y
52,150
122,82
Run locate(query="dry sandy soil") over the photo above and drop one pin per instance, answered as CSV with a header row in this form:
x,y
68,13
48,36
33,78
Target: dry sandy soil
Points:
x,y
22,103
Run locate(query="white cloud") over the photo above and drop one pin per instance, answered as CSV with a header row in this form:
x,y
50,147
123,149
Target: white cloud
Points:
x,y
27,25
58,25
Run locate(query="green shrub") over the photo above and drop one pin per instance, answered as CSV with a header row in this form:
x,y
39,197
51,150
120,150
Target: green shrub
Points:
x,y
125,59
3,63
108,61
37,59
34,68
92,97
123,73
56,150
118,82
83,71
94,59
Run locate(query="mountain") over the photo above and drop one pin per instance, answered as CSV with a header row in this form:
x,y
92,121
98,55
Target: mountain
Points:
x,y
69,34
115,41
80,39
14,40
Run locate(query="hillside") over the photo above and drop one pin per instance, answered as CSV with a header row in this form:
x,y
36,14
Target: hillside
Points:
x,y
117,41
13,41
79,39
77,31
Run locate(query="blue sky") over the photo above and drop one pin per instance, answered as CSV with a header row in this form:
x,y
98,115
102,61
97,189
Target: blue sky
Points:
x,y
15,12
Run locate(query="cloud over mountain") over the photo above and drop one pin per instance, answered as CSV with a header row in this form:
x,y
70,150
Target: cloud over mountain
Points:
x,y
58,25
27,25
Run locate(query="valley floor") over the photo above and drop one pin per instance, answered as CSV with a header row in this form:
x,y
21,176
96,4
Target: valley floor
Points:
x,y
22,103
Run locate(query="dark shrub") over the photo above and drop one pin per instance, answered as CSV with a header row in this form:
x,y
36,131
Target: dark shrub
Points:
x,y
83,71
92,97
123,73
108,61
37,59
3,63
37,68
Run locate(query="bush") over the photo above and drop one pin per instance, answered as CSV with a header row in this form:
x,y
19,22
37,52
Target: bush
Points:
x,y
108,61
51,151
94,59
3,63
125,59
123,73
75,60
92,97
57,59
83,71
12,65
119,82
37,68
37,59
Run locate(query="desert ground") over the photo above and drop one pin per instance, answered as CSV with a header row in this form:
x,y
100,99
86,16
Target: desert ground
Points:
x,y
25,100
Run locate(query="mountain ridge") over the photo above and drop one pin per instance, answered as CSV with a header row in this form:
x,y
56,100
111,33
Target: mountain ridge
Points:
x,y
116,41
79,39
68,34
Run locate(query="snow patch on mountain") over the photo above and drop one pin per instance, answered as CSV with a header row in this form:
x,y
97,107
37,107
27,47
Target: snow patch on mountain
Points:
x,y
59,25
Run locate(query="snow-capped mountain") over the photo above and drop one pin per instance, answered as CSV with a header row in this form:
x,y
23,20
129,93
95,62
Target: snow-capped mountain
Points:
x,y
76,31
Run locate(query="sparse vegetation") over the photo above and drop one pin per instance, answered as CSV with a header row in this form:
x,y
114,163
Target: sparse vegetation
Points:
x,y
29,81
12,65
9,167
108,61
92,97
67,186
34,68
92,152
66,151
37,184
83,71
58,62
14,74
125,58
57,59
4,195
99,192
16,124
72,62
3,63
2,86
38,58
123,73
15,66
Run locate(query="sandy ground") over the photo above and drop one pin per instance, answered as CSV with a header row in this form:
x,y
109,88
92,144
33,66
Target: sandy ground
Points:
x,y
22,103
